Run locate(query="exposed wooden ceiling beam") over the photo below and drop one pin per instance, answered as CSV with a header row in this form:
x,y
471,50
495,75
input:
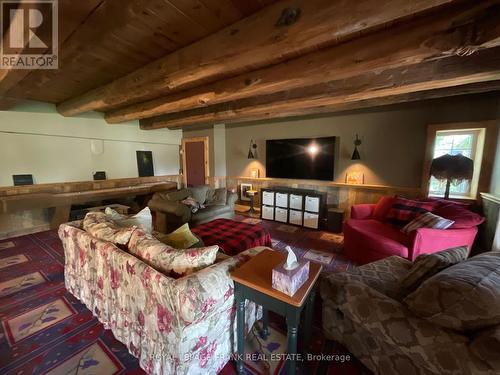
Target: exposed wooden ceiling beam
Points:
x,y
447,72
468,29
7,103
278,32
469,89
76,13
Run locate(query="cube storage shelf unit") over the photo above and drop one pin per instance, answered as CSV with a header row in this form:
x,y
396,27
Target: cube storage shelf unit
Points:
x,y
293,206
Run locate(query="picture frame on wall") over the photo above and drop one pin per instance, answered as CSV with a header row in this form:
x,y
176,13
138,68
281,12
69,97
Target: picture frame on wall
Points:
x,y
254,173
355,178
243,191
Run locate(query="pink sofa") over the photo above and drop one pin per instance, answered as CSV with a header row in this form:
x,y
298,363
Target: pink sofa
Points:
x,y
367,239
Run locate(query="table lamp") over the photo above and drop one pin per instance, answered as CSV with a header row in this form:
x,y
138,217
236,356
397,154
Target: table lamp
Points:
x,y
452,168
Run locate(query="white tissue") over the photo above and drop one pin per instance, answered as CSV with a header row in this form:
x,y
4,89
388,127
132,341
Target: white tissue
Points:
x,y
291,260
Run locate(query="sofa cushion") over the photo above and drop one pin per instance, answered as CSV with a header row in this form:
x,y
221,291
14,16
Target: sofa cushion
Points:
x,y
427,265
486,345
383,237
199,193
463,297
427,220
216,197
405,210
382,208
181,238
143,219
166,259
99,226
462,217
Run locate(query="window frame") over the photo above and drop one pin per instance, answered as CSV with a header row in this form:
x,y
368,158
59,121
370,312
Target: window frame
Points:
x,y
476,154
483,151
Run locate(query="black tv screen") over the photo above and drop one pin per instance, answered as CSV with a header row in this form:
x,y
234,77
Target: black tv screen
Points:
x,y
301,158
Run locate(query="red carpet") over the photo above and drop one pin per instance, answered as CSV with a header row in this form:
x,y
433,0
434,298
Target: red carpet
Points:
x,y
46,330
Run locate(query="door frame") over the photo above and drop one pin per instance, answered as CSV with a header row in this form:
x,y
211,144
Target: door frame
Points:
x,y
205,147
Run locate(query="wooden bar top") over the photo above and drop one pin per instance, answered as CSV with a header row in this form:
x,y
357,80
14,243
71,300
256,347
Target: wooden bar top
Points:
x,y
45,200
257,274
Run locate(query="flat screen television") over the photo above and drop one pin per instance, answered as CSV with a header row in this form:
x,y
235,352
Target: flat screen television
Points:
x,y
301,158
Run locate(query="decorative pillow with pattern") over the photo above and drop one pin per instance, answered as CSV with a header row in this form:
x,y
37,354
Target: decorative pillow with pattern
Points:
x,y
166,259
143,219
427,265
97,224
464,297
193,204
427,220
486,345
405,210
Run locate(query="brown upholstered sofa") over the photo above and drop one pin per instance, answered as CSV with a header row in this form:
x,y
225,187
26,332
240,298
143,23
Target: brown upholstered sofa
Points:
x,y
171,213
449,324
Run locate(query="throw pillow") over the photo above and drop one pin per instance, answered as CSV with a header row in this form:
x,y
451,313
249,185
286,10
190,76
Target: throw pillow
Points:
x,y
427,265
192,204
166,259
217,197
98,225
464,297
142,219
486,345
181,238
382,207
462,217
427,220
405,210
199,193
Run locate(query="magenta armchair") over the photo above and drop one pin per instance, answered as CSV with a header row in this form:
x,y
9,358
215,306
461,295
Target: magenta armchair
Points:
x,y
367,239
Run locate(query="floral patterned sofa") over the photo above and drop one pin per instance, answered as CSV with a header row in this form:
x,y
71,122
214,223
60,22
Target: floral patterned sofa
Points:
x,y
449,325
173,326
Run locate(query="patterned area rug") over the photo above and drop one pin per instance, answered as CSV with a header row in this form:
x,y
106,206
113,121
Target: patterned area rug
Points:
x,y
44,329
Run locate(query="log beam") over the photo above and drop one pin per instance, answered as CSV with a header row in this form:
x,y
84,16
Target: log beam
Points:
x,y
444,73
467,29
265,38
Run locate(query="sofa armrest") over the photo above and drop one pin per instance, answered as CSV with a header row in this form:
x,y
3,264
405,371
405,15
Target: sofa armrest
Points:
x,y
209,291
362,211
232,197
428,240
169,207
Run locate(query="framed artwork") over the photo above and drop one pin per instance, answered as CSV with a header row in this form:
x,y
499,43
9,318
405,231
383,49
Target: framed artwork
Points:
x,y
243,191
355,178
145,163
254,173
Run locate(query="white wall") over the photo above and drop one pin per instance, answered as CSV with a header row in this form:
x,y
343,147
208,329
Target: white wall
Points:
x,y
35,139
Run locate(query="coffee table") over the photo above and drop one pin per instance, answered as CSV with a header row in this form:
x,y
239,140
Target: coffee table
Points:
x,y
253,281
232,236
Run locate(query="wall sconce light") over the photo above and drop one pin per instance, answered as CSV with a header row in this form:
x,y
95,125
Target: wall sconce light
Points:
x,y
252,150
355,153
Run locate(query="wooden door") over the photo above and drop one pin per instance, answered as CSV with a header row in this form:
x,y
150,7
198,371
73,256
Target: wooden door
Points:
x,y
195,161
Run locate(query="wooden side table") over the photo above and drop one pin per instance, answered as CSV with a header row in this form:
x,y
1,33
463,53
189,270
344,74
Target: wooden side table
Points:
x,y
251,194
253,281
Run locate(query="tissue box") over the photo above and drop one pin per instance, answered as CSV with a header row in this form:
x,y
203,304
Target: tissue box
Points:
x,y
289,282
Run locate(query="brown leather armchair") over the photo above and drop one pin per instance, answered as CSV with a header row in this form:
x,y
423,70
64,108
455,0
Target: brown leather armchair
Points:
x,y
170,213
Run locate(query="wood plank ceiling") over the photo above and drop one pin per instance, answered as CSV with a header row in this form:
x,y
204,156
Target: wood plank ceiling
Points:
x,y
177,63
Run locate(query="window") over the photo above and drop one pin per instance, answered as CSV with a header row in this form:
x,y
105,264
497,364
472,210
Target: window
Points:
x,y
468,142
